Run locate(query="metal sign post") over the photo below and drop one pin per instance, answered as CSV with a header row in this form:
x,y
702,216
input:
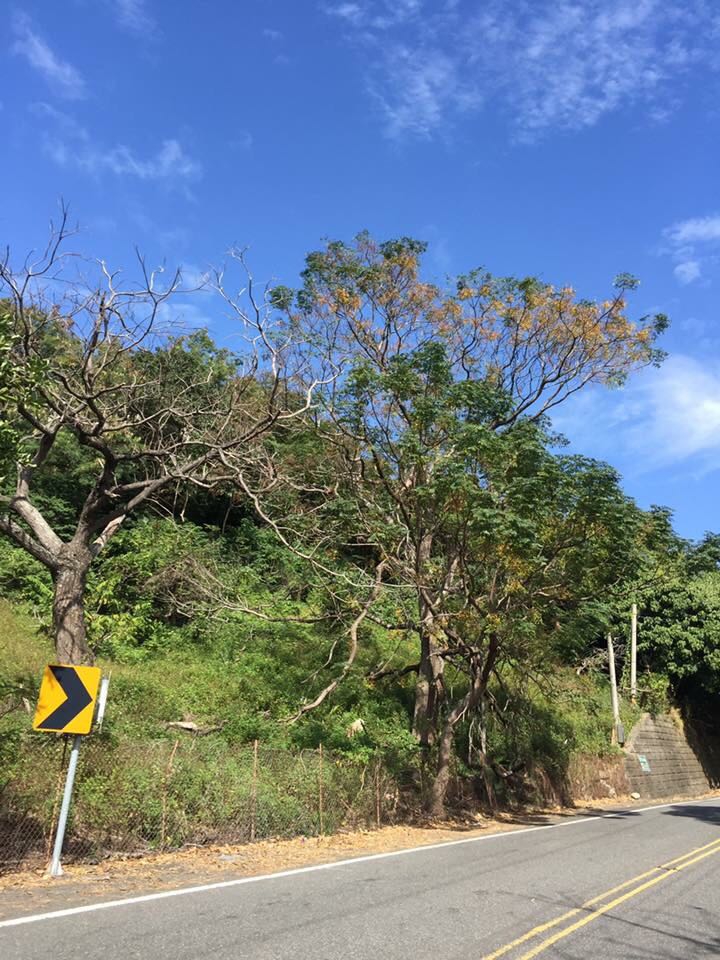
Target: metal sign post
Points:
x,y
66,704
102,702
56,869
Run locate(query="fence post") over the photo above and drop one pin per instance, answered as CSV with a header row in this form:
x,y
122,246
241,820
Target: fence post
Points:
x,y
253,792
168,771
378,817
320,793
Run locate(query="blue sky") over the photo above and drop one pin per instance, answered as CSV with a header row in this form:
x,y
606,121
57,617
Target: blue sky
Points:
x,y
571,140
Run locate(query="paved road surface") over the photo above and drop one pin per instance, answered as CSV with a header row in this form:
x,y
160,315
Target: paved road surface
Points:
x,y
637,885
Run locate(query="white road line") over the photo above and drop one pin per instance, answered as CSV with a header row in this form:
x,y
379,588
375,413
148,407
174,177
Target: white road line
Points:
x,y
296,871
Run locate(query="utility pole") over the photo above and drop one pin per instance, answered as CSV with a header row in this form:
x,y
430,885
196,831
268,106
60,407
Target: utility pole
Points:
x,y
633,653
618,731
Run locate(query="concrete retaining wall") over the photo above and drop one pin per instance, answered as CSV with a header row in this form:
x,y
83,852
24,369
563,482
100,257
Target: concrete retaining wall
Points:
x,y
659,761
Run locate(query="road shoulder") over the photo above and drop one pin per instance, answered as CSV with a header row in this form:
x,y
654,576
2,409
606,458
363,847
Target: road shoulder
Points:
x,y
30,892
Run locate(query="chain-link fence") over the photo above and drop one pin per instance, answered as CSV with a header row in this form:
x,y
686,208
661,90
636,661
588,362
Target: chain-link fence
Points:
x,y
137,798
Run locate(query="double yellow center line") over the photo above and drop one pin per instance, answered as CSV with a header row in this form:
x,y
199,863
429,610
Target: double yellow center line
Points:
x,y
597,906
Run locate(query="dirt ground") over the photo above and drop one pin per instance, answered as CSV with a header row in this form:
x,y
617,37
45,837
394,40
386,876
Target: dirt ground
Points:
x,y
32,892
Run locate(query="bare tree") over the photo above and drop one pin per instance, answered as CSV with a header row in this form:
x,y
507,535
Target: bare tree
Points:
x,y
102,360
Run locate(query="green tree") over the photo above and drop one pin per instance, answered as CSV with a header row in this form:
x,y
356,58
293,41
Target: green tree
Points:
x,y
679,632
425,372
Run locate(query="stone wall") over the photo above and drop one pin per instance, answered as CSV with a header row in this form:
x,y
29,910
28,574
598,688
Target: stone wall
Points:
x,y
659,761
597,778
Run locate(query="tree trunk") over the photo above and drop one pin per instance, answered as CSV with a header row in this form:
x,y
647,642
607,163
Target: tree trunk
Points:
x,y
481,669
486,773
438,790
69,628
429,688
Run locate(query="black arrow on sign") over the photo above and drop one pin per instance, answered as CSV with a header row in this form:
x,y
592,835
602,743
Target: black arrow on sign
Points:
x,y
77,699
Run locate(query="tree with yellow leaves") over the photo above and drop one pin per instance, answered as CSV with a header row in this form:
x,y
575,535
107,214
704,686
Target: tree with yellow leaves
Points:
x,y
436,411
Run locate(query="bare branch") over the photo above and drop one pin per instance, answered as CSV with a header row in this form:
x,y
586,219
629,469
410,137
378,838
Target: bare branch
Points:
x,y
353,649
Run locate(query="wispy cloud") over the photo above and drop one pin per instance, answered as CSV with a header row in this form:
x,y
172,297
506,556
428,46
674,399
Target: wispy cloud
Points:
x,y
687,271
62,77
376,14
695,230
353,13
276,37
545,65
69,144
169,162
186,313
694,245
196,279
428,84
133,15
663,417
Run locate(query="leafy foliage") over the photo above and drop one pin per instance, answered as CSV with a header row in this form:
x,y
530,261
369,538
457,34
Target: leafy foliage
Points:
x,y
680,632
420,516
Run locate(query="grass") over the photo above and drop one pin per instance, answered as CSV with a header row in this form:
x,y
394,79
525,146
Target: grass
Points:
x,y
143,784
24,651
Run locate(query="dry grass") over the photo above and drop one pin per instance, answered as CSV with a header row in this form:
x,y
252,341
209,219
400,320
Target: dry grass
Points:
x,y
31,891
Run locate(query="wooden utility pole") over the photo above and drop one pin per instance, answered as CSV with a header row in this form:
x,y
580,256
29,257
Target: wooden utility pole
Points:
x,y
613,688
633,653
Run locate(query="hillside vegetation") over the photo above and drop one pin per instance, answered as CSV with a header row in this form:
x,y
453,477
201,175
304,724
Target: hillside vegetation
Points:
x,y
360,531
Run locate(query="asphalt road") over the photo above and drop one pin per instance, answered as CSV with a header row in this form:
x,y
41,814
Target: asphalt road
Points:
x,y
637,885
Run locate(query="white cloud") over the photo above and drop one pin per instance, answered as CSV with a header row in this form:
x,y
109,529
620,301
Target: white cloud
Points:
x,y
376,14
695,230
63,78
429,85
274,35
682,412
546,65
352,12
195,279
173,313
133,15
574,62
62,121
70,145
662,418
687,270
169,162
694,245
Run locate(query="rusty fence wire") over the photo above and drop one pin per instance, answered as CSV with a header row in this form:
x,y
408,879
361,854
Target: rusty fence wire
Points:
x,y
136,798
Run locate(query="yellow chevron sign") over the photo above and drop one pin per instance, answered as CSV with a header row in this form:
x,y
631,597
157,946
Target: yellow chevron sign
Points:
x,y
66,702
